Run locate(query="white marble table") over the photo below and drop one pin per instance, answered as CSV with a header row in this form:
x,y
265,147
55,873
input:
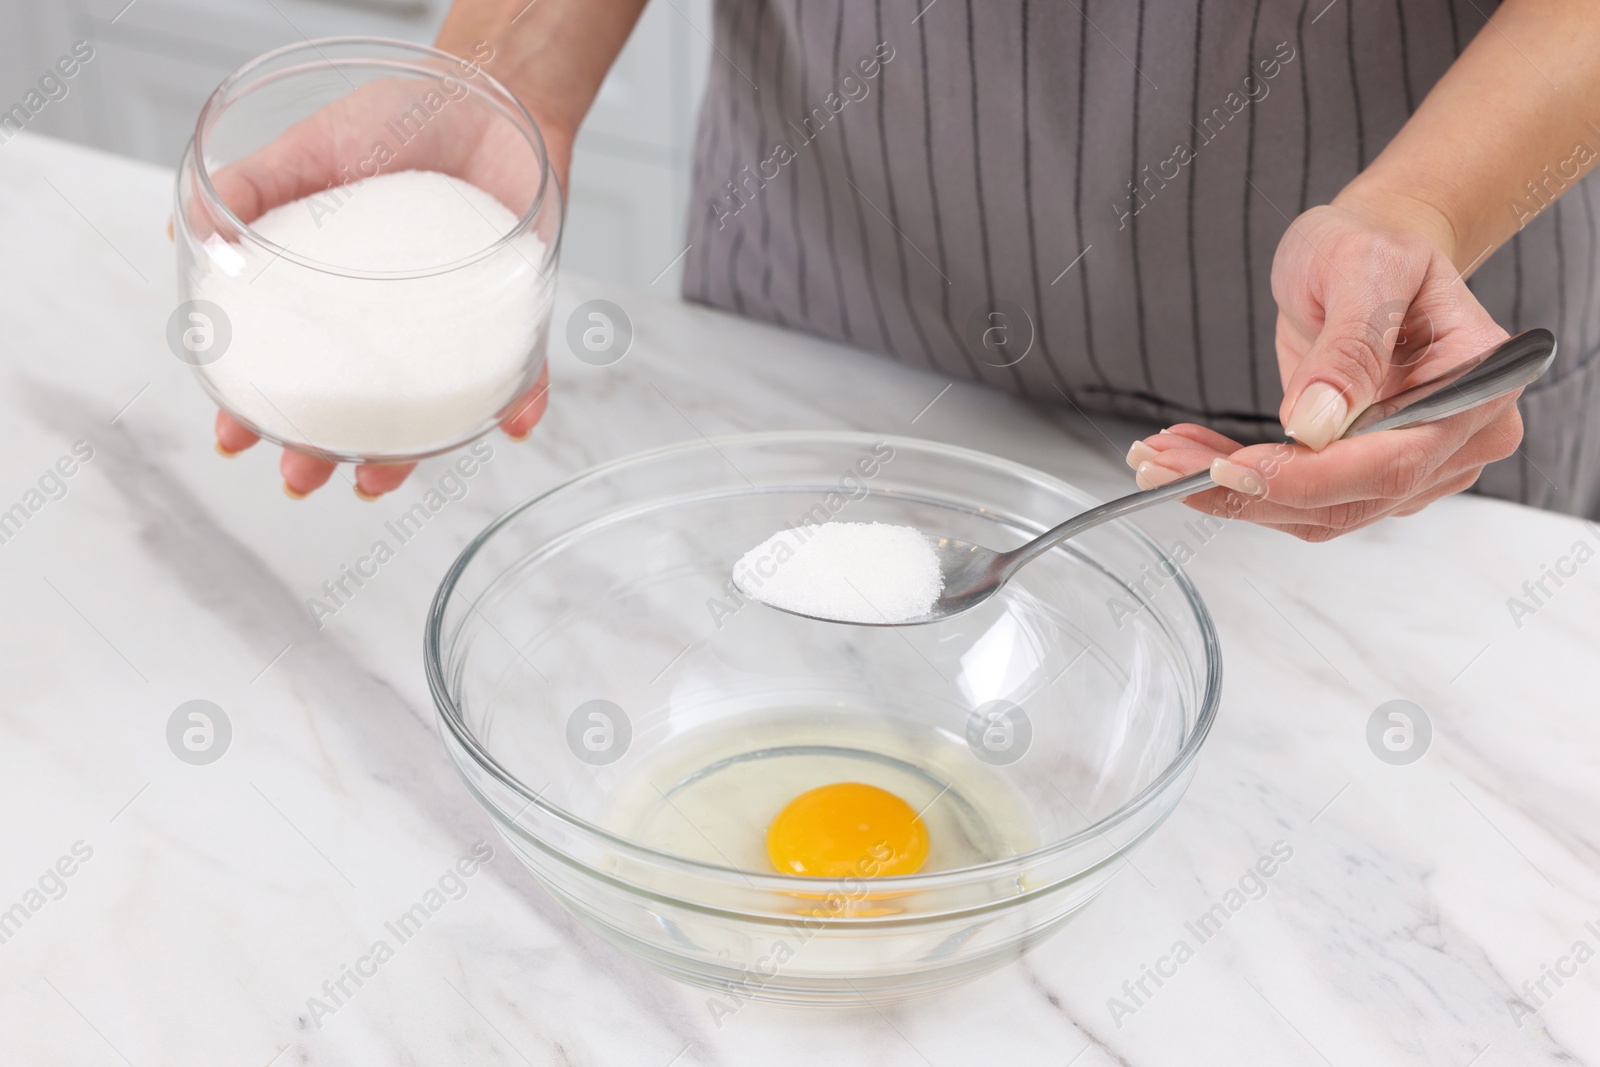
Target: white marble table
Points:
x,y
215,900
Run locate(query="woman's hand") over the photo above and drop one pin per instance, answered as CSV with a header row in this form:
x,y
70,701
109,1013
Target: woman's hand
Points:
x,y
552,56
1369,303
323,150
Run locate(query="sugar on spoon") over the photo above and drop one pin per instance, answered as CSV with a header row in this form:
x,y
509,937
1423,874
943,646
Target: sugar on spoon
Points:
x,y
972,573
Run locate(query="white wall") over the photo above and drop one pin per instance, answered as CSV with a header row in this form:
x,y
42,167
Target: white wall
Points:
x,y
156,61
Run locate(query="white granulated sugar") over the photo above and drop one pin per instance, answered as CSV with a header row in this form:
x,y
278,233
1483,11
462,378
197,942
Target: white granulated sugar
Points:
x,y
378,366
848,571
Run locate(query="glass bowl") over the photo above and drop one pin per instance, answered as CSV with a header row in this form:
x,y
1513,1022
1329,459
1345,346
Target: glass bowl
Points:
x,y
632,725
371,347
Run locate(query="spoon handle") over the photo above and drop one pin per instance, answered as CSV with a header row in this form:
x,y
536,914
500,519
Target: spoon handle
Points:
x,y
1111,509
1507,367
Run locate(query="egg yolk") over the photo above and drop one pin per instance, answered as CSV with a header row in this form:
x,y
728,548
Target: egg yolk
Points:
x,y
844,829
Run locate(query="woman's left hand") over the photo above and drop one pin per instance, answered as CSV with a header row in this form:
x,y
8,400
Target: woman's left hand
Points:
x,y
1366,307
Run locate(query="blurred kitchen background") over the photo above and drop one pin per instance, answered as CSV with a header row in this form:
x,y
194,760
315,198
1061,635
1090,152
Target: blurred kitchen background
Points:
x,y
156,62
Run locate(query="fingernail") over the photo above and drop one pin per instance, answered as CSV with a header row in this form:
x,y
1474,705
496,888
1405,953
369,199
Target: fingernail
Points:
x,y
1241,479
1319,416
1149,475
291,493
364,495
523,436
223,452
169,227
1140,453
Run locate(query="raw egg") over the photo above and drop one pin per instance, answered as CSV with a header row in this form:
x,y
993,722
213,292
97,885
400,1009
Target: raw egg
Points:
x,y
844,829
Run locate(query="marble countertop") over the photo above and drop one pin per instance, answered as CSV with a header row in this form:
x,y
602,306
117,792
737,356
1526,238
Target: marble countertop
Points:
x,y
1445,911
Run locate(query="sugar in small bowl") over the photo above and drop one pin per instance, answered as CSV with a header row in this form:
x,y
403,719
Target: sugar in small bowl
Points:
x,y
356,282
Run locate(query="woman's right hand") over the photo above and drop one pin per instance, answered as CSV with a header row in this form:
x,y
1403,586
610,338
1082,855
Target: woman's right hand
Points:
x,y
328,149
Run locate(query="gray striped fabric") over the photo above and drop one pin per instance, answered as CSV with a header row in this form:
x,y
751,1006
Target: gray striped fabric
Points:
x,y
897,174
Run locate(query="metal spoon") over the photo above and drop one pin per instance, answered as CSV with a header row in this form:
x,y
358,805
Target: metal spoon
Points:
x,y
972,573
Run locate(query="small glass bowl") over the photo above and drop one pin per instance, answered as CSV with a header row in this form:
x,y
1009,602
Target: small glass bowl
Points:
x,y
340,359
632,725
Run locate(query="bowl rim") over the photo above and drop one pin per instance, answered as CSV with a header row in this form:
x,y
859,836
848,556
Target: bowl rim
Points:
x,y
509,103
450,714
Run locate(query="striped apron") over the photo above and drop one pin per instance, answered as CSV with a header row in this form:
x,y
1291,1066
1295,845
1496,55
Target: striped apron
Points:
x,y
1079,200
